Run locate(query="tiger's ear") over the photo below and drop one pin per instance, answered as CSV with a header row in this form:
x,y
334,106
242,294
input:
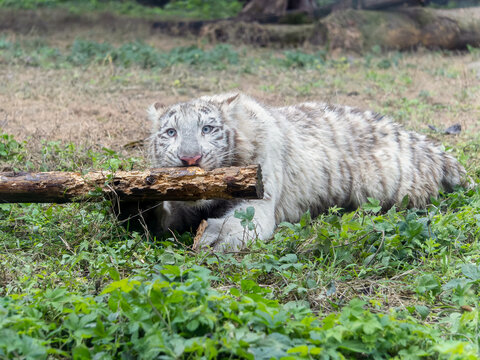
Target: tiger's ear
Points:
x,y
159,106
229,103
232,99
155,111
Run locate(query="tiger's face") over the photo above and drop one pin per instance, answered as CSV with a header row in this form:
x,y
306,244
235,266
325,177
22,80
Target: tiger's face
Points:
x,y
191,134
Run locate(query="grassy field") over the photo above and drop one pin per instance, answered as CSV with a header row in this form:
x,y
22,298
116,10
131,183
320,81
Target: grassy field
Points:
x,y
74,283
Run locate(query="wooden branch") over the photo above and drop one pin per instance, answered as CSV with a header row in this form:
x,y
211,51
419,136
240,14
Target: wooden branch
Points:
x,y
187,183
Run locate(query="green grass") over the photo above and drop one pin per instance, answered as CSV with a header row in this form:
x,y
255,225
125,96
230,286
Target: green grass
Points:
x,y
191,9
86,52
74,283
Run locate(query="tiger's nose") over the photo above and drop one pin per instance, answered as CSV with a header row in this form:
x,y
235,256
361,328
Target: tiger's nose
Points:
x,y
190,160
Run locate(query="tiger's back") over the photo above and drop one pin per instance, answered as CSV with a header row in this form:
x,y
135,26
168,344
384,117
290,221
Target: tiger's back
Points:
x,y
343,156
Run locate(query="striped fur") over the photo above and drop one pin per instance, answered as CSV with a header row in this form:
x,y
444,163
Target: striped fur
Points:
x,y
312,155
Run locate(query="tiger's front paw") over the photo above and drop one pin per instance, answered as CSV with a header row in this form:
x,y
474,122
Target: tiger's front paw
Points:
x,y
224,234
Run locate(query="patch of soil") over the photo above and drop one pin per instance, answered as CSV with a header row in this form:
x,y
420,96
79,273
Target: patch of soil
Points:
x,y
38,105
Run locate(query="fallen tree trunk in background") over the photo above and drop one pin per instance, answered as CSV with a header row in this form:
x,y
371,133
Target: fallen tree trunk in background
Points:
x,y
402,29
262,10
351,30
190,183
305,11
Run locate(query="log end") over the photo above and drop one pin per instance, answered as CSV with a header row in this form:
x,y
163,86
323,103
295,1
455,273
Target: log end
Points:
x,y
259,185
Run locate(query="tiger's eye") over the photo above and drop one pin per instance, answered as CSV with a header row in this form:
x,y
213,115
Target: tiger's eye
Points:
x,y
207,129
171,132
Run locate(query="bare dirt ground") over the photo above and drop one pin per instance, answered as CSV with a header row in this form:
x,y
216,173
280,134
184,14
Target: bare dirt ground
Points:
x,y
105,105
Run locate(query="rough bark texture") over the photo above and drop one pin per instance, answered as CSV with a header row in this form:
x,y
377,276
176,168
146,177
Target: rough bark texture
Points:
x,y
258,8
276,10
190,183
402,29
258,34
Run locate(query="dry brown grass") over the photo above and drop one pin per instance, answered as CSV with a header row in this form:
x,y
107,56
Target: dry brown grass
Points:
x,y
103,105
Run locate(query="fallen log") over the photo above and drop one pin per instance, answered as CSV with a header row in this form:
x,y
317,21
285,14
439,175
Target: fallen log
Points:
x,y
401,29
350,30
185,183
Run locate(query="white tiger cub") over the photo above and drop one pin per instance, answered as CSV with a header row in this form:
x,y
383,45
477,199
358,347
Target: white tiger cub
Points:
x,y
312,156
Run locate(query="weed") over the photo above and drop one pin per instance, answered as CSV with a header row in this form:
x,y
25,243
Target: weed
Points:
x,y
13,154
294,58
9,148
246,218
5,44
138,54
86,52
217,57
475,51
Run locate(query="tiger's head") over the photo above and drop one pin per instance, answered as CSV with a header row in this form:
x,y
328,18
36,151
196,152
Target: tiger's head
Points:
x,y
193,133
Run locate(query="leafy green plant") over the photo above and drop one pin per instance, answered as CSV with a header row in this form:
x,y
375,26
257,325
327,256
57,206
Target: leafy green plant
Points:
x,y
4,43
464,289
475,51
10,149
246,217
294,58
218,56
13,154
137,54
87,52
84,52
174,312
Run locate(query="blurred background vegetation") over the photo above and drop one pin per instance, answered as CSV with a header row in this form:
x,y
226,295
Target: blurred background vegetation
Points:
x,y
211,9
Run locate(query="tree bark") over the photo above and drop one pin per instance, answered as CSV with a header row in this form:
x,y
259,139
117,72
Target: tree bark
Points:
x,y
191,183
282,11
261,8
402,29
358,30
